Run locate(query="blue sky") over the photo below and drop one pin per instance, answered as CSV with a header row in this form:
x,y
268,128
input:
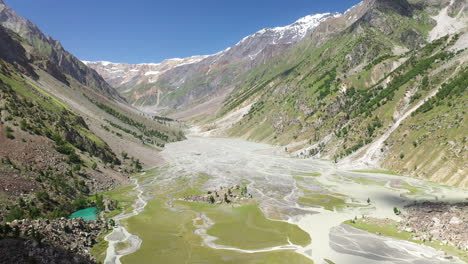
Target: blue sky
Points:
x,y
139,31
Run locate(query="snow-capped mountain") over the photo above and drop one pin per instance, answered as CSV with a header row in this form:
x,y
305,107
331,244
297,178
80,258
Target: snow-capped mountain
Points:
x,y
122,75
290,33
149,84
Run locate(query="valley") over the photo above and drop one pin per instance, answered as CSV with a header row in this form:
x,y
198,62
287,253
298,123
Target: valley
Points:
x,y
316,196
340,138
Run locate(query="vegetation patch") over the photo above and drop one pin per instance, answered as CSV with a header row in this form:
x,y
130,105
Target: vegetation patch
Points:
x,y
376,171
168,237
99,249
246,227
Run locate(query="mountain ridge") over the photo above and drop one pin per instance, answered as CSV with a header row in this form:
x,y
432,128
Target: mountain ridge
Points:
x,y
53,50
249,51
379,64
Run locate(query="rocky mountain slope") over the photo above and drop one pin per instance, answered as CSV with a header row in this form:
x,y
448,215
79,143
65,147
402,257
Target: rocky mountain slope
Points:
x,y
183,83
60,61
124,76
369,88
65,134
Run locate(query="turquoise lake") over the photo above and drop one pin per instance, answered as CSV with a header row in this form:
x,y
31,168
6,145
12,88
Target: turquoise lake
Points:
x,y
87,214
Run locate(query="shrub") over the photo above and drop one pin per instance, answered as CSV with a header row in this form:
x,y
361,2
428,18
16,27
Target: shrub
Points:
x,y
74,158
80,203
15,213
10,135
42,196
65,149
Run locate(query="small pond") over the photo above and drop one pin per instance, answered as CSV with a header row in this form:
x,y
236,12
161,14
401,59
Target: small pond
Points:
x,y
87,214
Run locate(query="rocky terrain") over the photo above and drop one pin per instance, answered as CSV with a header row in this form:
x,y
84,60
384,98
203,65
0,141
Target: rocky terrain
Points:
x,y
60,62
437,221
124,76
50,241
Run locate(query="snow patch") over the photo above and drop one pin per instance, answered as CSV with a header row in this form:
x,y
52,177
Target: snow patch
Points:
x,y
300,27
152,73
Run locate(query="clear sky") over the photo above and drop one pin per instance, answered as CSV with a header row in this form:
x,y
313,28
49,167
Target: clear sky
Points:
x,y
137,31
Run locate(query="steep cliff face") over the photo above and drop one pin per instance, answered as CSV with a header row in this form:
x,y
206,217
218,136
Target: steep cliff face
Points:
x,y
59,60
181,83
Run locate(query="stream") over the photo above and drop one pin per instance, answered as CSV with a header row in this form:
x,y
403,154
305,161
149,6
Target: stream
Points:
x,y
273,181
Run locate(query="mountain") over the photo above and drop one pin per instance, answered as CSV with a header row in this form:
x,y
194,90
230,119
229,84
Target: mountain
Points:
x,y
180,83
345,87
61,61
65,134
380,88
382,85
124,76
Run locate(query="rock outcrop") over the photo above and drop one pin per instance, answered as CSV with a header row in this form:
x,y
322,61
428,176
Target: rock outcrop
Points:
x,y
46,241
443,222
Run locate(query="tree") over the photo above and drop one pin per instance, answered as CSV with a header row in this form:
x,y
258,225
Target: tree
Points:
x,y
100,202
80,203
212,199
368,200
226,198
124,155
138,165
94,166
396,211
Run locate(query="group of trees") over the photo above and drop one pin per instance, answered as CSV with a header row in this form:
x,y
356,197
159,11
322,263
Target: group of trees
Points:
x,y
129,121
451,89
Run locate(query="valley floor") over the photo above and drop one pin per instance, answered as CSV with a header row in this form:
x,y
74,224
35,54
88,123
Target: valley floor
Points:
x,y
303,206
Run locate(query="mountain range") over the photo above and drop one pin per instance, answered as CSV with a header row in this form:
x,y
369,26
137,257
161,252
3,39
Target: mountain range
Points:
x,y
185,83
330,85
382,86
